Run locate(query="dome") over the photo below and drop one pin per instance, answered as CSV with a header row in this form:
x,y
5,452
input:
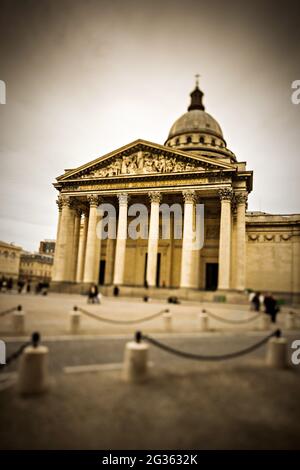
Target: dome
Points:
x,y
196,130
197,121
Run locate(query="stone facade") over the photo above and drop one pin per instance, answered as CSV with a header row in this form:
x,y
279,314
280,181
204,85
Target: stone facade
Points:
x,y
35,267
9,260
241,250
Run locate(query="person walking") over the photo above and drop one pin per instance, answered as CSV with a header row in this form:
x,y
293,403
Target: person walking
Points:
x,y
271,307
256,302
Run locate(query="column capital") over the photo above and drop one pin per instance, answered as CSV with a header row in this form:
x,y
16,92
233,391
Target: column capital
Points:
x,y
241,198
93,200
225,194
66,201
155,196
189,196
123,198
59,203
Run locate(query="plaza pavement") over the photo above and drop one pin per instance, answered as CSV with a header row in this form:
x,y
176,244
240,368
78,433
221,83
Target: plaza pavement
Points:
x,y
236,404
184,405
50,315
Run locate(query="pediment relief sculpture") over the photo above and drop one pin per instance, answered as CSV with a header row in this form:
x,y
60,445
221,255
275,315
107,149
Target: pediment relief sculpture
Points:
x,y
143,163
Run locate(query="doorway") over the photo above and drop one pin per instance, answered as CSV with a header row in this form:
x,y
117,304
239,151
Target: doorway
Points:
x,y
102,272
211,276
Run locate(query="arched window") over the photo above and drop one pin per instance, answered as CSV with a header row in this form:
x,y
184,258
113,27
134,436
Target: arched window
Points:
x,y
189,140
201,140
177,142
213,142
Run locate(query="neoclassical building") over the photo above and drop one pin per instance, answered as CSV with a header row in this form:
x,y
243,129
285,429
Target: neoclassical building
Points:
x,y
194,166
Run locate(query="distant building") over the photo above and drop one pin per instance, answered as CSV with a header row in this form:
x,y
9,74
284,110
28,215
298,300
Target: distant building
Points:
x,y
35,266
47,247
9,260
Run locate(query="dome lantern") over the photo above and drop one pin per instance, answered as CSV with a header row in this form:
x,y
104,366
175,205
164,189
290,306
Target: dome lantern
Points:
x,y
196,98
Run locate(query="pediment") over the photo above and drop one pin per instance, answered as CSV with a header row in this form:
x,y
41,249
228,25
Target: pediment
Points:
x,y
143,158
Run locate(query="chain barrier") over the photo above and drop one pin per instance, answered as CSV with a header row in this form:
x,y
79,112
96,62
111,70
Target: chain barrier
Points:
x,y
10,310
297,314
120,322
231,322
34,341
201,357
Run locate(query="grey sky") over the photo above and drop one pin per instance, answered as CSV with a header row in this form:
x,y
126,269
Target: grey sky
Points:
x,y
86,77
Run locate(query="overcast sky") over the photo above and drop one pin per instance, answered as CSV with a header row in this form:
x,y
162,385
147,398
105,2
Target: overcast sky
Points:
x,y
86,77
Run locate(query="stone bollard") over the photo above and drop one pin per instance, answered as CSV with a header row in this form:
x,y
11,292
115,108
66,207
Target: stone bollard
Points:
x,y
265,322
167,319
203,322
290,321
33,369
18,321
74,321
135,367
277,353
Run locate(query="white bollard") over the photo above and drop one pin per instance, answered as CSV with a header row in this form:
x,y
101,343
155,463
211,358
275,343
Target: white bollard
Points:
x,y
18,322
290,321
135,367
167,319
74,322
277,353
203,322
33,370
265,322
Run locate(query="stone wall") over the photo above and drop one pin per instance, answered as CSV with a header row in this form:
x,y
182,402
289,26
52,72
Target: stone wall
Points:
x,y
272,251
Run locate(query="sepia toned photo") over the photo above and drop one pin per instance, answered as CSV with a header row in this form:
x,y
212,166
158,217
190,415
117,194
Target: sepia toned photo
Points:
x,y
150,231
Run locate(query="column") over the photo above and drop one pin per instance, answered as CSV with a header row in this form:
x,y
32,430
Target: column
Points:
x,y
82,248
59,204
77,220
155,198
186,279
121,240
91,242
170,260
64,246
110,259
240,260
295,264
225,239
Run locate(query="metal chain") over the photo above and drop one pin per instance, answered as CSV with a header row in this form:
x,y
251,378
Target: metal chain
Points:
x,y
35,339
120,322
297,314
202,357
231,322
10,310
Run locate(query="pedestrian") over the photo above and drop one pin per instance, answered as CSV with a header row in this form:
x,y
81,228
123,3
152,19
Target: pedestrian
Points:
x,y
93,294
271,307
116,291
28,287
10,284
21,284
250,298
256,302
